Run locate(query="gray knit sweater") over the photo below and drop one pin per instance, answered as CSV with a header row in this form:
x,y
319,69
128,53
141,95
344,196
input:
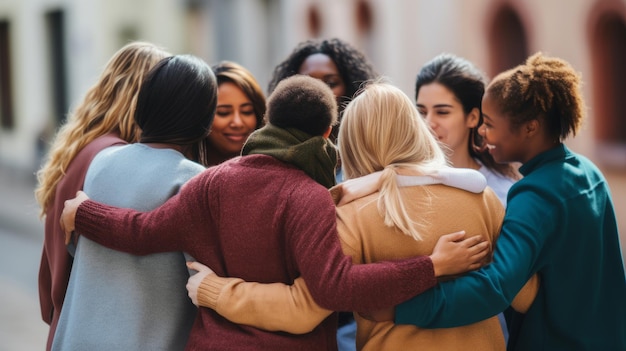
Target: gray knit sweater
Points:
x,y
117,301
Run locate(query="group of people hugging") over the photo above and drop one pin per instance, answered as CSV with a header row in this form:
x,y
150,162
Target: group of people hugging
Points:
x,y
186,209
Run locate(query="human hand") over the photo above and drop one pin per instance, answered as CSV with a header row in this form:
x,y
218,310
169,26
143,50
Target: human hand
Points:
x,y
453,254
194,281
68,216
382,315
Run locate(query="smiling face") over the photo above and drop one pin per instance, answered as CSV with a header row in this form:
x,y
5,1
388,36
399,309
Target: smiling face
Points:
x,y
504,144
234,120
444,113
322,67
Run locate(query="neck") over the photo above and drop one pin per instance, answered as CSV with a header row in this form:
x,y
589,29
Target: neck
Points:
x,y
179,148
463,160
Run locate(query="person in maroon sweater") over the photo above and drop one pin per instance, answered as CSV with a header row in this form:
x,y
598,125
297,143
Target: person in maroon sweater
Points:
x,y
268,217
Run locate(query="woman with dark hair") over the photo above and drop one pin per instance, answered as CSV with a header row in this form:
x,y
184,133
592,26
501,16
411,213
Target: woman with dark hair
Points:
x,y
448,93
344,69
132,302
334,61
560,224
240,111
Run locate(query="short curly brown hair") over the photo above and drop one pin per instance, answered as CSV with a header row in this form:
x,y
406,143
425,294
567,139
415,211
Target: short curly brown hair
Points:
x,y
303,103
544,88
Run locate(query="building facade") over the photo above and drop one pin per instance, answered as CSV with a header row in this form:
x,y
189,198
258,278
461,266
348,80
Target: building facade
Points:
x,y
51,51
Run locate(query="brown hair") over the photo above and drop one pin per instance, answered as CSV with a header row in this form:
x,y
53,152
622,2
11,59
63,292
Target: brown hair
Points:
x,y
544,88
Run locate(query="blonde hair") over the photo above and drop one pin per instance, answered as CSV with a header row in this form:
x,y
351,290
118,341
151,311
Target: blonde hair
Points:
x,y
108,106
382,130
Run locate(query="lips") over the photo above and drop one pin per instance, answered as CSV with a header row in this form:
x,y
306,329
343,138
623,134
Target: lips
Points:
x,y
236,137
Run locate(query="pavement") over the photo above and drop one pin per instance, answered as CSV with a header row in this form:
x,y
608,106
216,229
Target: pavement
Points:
x,y
21,238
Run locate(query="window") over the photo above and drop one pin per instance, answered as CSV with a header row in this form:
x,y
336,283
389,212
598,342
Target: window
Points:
x,y
508,45
6,91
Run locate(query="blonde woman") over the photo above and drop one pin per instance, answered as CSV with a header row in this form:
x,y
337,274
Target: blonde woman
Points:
x,y
400,196
103,118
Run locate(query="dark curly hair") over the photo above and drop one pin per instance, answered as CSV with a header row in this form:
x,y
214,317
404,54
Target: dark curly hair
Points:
x,y
544,88
354,67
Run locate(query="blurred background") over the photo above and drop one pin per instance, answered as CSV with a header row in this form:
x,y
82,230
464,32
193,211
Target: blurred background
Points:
x,y
52,51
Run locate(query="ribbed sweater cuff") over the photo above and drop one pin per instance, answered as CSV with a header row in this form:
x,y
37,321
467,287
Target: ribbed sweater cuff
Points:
x,y
89,217
210,289
423,275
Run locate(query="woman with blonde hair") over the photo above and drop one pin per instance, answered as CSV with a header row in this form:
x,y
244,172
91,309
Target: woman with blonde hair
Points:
x,y
103,118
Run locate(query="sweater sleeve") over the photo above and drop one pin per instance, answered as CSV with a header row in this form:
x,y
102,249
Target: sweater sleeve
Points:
x,y
488,291
272,307
334,281
174,226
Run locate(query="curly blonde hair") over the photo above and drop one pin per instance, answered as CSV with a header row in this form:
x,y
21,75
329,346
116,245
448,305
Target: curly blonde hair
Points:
x,y
108,106
382,131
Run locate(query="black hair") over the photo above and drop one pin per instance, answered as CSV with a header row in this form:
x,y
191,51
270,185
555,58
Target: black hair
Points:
x,y
303,103
177,101
354,67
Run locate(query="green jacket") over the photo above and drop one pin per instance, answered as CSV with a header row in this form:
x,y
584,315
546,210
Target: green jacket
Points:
x,y
560,223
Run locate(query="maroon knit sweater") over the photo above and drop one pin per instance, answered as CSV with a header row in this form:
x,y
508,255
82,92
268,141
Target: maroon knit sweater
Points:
x,y
262,220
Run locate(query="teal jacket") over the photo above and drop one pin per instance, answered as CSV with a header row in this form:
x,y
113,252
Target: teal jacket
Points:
x,y
559,223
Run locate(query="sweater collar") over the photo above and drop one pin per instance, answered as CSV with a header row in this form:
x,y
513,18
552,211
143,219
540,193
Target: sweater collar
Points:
x,y
559,152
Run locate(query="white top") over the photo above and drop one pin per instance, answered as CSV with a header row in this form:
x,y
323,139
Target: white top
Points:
x,y
499,183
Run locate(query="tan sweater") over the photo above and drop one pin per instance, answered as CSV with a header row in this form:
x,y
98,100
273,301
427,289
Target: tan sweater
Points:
x,y
438,209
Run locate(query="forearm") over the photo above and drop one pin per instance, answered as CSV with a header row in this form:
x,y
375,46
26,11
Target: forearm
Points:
x,y
170,227
365,287
272,307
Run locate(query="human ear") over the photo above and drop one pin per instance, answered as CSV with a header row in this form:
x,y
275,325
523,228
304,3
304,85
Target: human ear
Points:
x,y
532,127
472,119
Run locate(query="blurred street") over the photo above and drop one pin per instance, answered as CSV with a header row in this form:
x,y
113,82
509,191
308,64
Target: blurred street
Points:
x,y
21,236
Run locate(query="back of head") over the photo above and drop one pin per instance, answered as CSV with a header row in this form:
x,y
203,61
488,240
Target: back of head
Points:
x,y
177,101
544,88
108,106
303,103
381,127
227,71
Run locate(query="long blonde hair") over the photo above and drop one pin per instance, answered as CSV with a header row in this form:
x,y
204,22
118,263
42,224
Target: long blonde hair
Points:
x,y
108,106
382,130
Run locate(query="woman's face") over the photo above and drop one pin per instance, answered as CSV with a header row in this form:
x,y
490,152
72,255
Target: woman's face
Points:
x,y
234,119
444,113
504,144
322,67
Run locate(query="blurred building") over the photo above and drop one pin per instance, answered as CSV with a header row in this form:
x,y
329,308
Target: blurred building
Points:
x,y
51,51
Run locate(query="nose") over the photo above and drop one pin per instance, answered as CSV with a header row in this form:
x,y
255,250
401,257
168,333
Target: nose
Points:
x,y
481,130
429,119
236,121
